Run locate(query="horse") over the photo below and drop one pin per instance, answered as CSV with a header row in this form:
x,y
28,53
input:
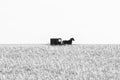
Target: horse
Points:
x,y
68,42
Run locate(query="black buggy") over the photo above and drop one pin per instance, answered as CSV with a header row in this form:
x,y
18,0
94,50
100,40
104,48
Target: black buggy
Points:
x,y
55,41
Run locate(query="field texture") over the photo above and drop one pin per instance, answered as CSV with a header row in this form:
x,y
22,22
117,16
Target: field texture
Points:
x,y
72,62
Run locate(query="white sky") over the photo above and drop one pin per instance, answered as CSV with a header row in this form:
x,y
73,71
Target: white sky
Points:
x,y
36,21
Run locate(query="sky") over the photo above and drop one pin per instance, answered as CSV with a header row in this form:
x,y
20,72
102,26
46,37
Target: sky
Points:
x,y
36,21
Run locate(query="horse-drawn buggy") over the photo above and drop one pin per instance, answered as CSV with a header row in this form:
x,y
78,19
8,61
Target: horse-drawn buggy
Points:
x,y
58,41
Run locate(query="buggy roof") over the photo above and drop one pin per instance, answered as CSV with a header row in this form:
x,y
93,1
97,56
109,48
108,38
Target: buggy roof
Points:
x,y
56,38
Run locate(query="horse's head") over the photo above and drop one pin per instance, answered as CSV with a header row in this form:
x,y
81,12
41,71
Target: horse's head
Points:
x,y
72,39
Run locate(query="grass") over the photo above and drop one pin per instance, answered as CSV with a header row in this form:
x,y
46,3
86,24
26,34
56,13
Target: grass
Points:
x,y
72,62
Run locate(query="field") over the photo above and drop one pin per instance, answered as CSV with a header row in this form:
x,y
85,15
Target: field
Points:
x,y
71,62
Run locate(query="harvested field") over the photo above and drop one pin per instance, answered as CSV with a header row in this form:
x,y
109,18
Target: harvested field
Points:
x,y
70,62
